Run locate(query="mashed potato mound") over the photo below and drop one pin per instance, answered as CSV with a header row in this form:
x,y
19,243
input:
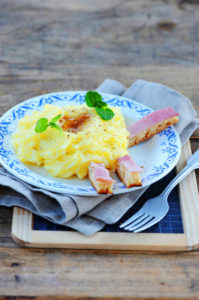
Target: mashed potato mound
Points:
x,y
86,137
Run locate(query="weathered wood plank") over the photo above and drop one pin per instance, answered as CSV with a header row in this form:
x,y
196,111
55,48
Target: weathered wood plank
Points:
x,y
74,273
195,146
5,227
99,32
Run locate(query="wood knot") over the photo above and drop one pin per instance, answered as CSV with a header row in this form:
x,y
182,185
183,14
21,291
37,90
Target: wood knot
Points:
x,y
17,278
14,264
188,2
166,25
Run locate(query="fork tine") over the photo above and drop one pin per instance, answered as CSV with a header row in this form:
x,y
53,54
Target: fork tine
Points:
x,y
131,219
140,224
137,221
153,221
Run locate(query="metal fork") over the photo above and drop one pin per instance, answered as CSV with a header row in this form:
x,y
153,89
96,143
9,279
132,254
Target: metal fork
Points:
x,y
156,208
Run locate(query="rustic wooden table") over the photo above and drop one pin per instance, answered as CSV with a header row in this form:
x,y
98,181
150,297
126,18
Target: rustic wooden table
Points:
x,y
48,46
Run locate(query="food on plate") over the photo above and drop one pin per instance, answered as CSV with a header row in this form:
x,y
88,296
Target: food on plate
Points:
x,y
151,124
87,140
85,137
100,178
128,171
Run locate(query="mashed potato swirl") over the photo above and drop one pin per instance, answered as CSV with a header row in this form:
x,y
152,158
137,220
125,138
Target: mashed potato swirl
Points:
x,y
69,154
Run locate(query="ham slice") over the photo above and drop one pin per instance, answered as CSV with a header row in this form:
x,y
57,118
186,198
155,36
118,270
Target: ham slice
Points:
x,y
100,178
128,171
151,124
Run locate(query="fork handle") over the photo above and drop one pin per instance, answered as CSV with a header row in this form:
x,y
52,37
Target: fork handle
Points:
x,y
187,170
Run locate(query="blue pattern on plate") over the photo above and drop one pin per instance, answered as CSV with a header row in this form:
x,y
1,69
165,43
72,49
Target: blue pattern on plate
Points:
x,y
170,148
12,164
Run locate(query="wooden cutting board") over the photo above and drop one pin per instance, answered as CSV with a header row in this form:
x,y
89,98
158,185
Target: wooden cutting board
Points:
x,y
23,230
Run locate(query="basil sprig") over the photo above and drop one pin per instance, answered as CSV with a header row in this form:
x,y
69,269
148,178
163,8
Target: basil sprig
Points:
x,y
43,123
94,99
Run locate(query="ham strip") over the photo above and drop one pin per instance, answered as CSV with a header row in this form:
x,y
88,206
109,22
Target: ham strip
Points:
x,y
129,164
151,124
100,178
128,171
101,173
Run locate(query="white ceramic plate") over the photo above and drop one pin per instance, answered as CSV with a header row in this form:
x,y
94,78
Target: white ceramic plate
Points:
x,y
158,155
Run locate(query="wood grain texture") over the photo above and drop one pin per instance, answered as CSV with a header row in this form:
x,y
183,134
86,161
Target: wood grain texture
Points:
x,y
49,46
23,234
39,272
189,200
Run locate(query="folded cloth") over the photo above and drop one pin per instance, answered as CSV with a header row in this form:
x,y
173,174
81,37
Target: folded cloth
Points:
x,y
90,214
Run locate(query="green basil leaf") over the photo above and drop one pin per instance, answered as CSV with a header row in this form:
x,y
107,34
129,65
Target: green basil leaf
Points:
x,y
93,99
55,119
102,104
41,125
53,125
105,113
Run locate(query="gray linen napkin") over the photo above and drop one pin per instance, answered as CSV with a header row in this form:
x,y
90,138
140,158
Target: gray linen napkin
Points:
x,y
90,214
